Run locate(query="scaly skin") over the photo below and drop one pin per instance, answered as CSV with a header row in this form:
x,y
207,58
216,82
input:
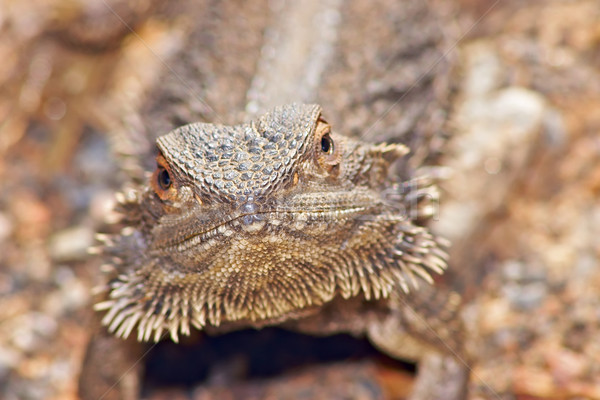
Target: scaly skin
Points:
x,y
279,221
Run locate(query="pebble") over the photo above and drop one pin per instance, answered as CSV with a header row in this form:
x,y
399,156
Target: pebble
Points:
x,y
6,227
102,207
29,330
71,244
9,359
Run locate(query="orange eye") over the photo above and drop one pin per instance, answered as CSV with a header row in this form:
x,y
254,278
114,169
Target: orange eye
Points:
x,y
162,180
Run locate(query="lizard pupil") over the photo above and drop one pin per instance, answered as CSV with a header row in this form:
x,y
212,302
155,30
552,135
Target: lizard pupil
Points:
x,y
327,144
164,179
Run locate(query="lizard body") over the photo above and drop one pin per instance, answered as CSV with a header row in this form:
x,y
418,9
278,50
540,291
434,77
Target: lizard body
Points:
x,y
344,264
279,221
256,222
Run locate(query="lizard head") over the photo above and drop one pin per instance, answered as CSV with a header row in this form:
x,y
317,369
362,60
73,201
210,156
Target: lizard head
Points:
x,y
259,222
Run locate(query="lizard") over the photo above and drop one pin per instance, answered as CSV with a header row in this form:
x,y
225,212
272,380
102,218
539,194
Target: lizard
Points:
x,y
374,50
278,221
373,74
316,62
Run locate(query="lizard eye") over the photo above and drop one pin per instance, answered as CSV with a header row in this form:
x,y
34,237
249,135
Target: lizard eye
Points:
x,y
163,178
327,153
162,181
327,144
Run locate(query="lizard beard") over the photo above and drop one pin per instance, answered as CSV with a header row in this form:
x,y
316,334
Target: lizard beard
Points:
x,y
263,279
258,223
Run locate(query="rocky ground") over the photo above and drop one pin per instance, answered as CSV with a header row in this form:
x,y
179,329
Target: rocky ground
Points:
x,y
522,200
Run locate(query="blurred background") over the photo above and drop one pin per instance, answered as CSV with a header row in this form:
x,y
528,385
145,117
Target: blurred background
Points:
x,y
516,92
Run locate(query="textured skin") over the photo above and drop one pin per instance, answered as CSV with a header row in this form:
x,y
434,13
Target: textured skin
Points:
x,y
278,221
260,224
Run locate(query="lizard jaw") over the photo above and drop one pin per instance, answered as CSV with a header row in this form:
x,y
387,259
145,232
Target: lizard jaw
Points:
x,y
255,223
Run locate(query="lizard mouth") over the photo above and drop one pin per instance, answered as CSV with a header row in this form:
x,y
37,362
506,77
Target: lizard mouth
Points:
x,y
306,214
254,222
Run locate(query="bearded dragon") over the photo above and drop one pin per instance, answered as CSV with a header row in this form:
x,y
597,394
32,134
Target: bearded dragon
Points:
x,y
277,221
